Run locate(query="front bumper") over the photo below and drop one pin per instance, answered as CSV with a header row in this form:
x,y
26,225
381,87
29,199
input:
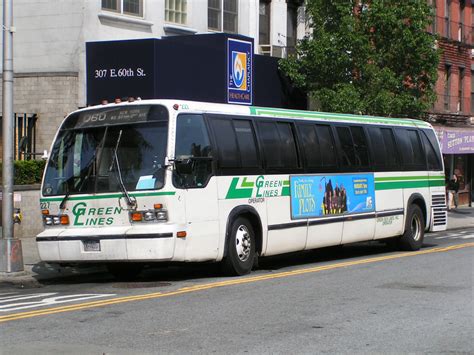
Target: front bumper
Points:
x,y
117,244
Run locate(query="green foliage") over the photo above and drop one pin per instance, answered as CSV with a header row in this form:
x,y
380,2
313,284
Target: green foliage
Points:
x,y
27,172
376,58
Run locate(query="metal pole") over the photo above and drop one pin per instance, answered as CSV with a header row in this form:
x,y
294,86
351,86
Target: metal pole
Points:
x,y
12,258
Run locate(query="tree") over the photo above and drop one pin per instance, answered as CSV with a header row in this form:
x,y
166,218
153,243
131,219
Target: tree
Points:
x,y
371,57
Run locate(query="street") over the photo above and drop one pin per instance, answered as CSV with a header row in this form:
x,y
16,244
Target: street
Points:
x,y
358,298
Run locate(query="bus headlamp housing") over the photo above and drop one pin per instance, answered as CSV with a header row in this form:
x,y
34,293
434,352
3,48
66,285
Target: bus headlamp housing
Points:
x,y
55,220
155,215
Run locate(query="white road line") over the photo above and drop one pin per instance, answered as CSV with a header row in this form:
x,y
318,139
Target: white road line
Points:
x,y
48,301
25,297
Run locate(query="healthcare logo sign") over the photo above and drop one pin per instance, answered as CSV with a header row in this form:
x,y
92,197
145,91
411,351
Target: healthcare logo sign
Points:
x,y
239,71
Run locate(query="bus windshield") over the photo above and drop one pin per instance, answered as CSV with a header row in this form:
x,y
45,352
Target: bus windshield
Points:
x,y
82,159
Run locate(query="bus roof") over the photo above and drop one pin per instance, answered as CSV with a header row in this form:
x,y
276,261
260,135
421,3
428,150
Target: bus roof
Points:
x,y
183,106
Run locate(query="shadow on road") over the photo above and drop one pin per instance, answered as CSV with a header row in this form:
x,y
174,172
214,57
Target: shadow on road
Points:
x,y
164,274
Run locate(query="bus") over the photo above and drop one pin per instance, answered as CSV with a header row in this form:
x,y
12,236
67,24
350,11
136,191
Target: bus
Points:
x,y
138,182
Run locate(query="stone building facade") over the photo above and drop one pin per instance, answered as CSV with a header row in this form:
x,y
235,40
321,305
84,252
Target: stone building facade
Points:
x,y
50,37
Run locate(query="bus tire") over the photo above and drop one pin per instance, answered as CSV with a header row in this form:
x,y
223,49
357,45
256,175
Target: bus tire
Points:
x,y
240,248
124,271
412,238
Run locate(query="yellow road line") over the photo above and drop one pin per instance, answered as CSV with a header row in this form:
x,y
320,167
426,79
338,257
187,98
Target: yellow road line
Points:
x,y
230,282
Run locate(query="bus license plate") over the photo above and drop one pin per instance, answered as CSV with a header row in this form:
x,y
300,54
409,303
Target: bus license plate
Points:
x,y
91,245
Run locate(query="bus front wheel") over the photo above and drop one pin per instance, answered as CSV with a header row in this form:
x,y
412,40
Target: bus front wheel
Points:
x,y
412,238
240,248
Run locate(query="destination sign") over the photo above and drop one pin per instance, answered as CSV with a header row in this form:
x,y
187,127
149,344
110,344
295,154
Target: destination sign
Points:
x,y
116,116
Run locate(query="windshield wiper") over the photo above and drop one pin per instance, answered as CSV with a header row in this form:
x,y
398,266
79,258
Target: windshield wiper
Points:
x,y
62,205
131,201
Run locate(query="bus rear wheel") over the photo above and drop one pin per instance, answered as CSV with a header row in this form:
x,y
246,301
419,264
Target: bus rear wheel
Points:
x,y
412,238
240,248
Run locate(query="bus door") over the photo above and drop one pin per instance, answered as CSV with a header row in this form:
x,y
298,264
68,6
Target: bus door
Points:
x,y
193,175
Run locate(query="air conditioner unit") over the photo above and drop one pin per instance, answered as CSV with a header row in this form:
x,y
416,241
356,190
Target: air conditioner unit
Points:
x,y
265,49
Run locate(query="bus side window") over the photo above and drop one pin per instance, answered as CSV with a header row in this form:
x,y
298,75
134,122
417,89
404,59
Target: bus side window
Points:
x,y
378,150
288,145
326,142
360,146
247,145
226,143
418,151
432,157
391,154
192,142
310,146
279,146
348,157
270,139
411,149
434,144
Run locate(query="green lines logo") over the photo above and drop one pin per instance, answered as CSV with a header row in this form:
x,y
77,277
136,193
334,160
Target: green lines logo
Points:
x,y
408,182
259,187
88,216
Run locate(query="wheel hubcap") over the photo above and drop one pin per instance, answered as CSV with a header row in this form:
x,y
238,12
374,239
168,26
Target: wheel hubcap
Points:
x,y
416,228
243,243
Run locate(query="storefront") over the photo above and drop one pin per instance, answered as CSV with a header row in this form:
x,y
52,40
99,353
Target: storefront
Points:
x,y
457,146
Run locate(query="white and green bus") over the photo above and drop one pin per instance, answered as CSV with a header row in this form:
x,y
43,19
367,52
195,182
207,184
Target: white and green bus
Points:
x,y
160,180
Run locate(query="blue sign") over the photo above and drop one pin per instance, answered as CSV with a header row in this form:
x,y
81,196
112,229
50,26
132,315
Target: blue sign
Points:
x,y
328,195
239,71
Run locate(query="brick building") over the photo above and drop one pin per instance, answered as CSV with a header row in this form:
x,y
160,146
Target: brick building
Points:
x,y
453,111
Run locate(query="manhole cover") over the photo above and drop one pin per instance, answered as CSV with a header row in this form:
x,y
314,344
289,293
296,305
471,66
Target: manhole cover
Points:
x,y
141,284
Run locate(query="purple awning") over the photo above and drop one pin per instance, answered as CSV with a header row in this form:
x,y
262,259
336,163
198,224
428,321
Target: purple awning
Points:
x,y
455,140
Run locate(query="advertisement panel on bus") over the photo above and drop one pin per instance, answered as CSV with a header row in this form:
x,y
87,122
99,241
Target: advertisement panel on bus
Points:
x,y
325,195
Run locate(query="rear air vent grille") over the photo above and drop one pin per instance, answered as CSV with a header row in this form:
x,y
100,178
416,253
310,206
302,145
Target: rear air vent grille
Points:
x,y
438,204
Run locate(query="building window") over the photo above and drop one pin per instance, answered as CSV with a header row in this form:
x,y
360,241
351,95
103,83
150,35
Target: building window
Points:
x,y
447,85
126,7
264,22
461,31
435,16
222,15
460,90
291,25
472,91
175,11
447,18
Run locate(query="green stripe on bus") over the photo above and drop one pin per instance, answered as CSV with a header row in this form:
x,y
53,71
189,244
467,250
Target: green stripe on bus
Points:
x,y
407,184
100,197
407,178
258,111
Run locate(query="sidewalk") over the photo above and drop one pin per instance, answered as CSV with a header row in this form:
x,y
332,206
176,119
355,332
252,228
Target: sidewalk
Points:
x,y
37,271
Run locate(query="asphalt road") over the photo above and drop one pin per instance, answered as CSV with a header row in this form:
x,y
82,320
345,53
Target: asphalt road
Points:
x,y
358,298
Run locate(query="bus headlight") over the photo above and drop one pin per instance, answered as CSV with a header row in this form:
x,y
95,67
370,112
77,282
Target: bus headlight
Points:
x,y
162,215
48,220
149,215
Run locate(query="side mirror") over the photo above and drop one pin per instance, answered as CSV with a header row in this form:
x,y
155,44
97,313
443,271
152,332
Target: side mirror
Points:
x,y
45,155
